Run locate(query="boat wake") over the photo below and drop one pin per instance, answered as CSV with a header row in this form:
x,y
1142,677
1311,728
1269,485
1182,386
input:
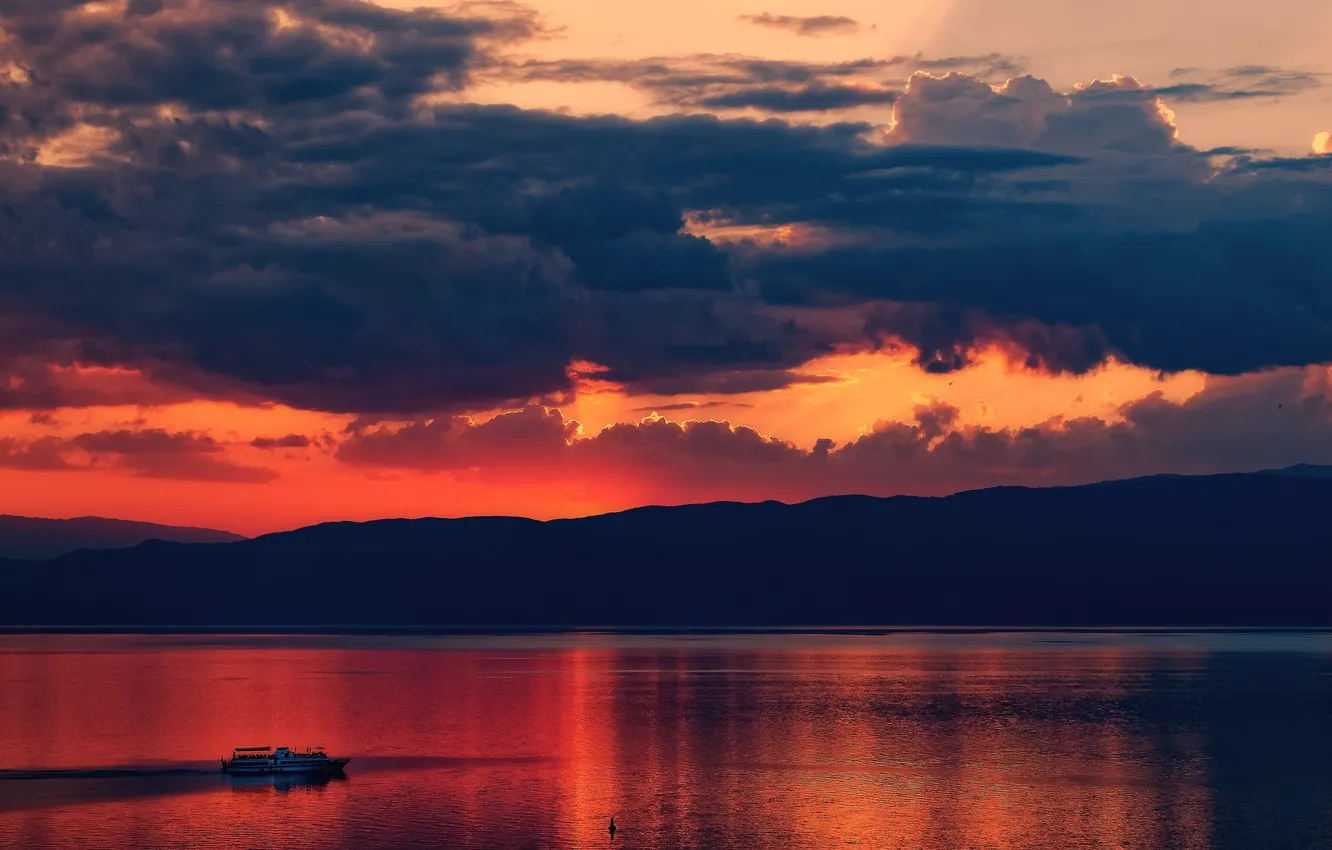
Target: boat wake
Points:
x,y
102,773
34,788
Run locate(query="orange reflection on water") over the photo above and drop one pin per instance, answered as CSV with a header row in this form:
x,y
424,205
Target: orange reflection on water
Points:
x,y
472,742
587,788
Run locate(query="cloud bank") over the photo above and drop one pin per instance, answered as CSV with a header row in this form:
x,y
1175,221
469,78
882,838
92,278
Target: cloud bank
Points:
x,y
270,201
1260,421
146,453
1264,420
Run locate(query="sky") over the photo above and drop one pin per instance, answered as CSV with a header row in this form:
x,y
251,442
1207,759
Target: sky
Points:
x,y
267,264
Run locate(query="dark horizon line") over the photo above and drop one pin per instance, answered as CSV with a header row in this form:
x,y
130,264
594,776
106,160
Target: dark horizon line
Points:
x,y
430,630
1277,470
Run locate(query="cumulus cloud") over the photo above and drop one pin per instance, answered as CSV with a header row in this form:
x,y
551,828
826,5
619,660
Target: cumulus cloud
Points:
x,y
534,435
1322,143
811,26
1119,114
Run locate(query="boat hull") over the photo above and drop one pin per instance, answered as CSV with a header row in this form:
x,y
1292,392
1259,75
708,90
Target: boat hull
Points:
x,y
331,766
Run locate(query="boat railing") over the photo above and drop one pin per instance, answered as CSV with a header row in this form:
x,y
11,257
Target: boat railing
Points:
x,y
243,754
252,753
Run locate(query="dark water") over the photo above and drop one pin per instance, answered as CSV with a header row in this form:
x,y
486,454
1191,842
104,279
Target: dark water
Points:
x,y
935,742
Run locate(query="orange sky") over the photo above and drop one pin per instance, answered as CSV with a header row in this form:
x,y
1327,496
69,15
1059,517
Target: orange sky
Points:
x,y
314,486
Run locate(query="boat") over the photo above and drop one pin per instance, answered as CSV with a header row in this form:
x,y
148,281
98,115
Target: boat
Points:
x,y
250,761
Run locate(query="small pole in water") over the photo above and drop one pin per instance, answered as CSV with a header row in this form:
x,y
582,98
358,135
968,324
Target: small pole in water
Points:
x,y
612,829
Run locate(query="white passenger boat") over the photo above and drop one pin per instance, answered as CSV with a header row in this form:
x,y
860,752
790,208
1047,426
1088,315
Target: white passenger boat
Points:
x,y
258,760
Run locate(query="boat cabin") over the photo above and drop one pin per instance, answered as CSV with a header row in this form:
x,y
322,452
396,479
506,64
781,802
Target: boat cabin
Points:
x,y
278,753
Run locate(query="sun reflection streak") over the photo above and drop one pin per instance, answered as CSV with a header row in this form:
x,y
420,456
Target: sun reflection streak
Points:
x,y
889,743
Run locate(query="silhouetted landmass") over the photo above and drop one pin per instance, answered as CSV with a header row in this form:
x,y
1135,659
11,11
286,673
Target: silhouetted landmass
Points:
x,y
30,537
1305,469
1246,549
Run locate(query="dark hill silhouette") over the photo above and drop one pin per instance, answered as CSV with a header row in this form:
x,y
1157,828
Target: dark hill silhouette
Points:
x,y
34,538
1244,549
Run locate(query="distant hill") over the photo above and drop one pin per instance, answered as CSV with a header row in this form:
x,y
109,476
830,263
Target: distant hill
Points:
x,y
1246,549
1308,470
30,537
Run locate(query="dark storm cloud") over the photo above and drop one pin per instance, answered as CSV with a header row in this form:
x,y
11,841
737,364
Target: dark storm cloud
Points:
x,y
1238,308
1240,261
254,206
947,338
33,383
810,26
818,97
1313,163
244,54
621,239
341,248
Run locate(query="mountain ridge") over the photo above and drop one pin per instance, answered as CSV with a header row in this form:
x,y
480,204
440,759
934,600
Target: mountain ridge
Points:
x,y
40,538
1230,549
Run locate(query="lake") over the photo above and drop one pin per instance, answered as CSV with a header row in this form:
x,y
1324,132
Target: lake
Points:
x,y
930,741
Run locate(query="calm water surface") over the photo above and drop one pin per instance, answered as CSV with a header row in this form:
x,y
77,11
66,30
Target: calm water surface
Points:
x,y
906,740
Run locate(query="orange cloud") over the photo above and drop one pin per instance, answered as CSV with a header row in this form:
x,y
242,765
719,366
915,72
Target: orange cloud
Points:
x,y
1273,419
540,462
148,453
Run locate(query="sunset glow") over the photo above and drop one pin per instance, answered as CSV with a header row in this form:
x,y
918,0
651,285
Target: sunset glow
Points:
x,y
573,257
694,424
